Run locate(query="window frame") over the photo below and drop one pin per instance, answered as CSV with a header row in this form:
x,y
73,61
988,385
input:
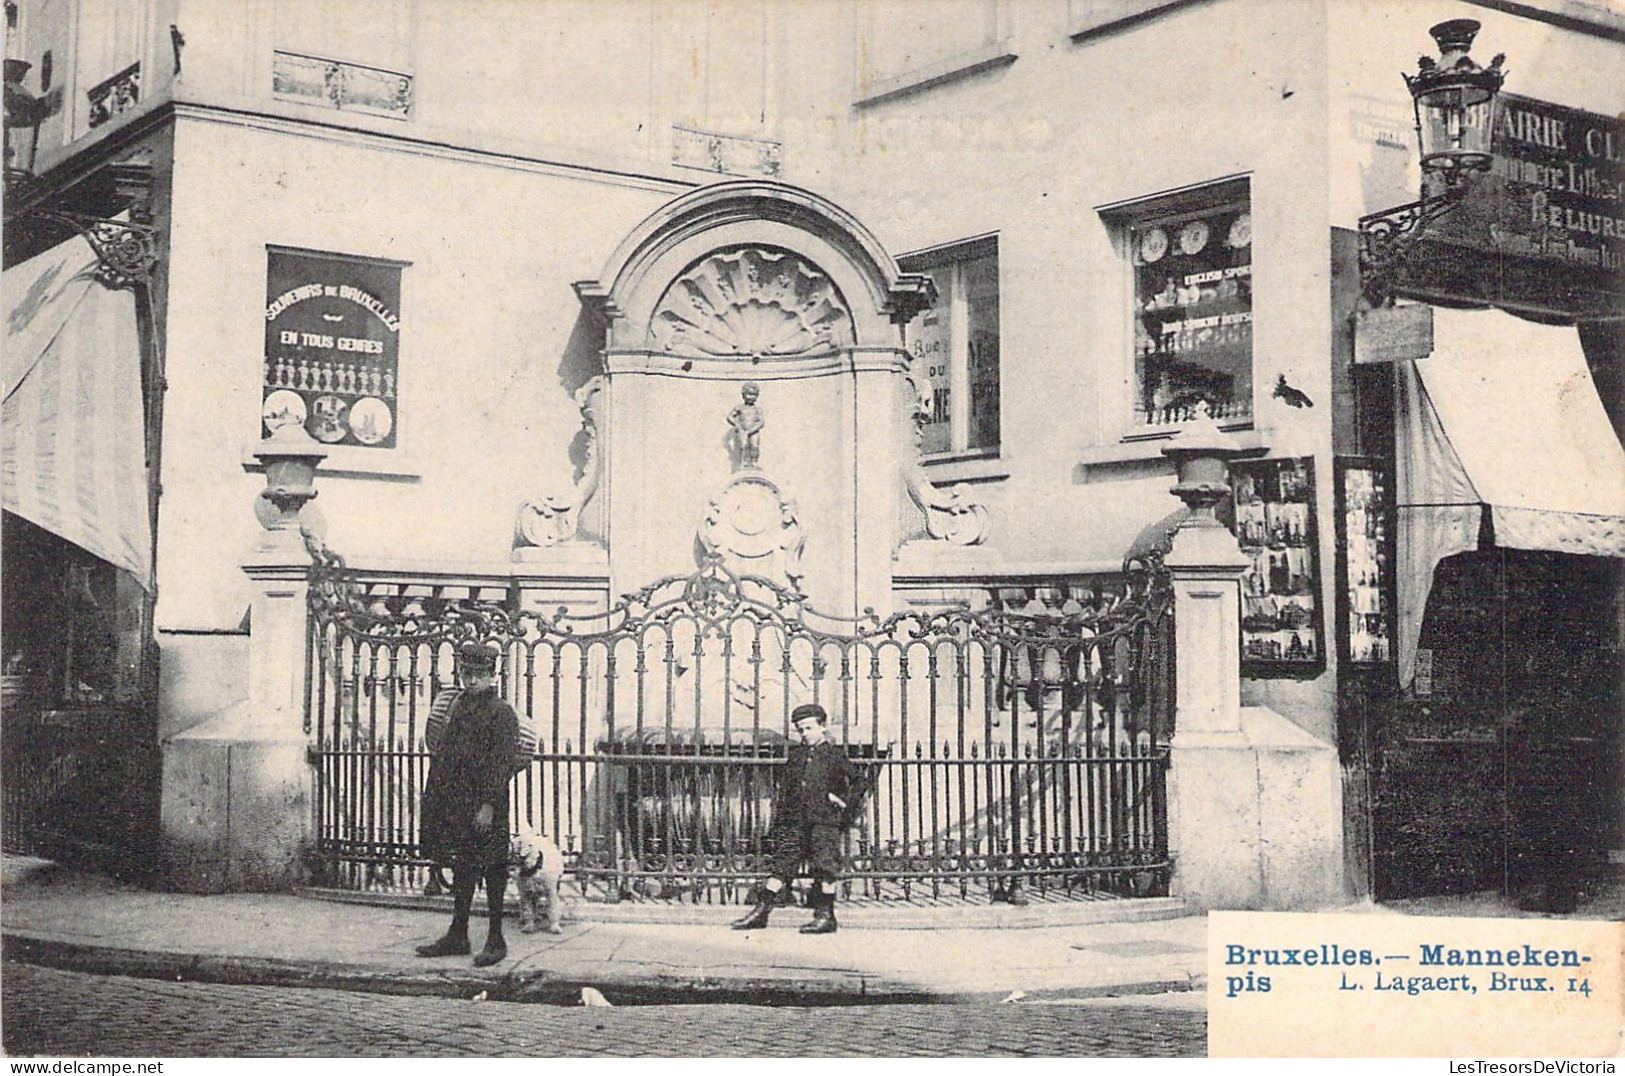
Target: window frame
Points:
x,y
120,58
1086,18
953,256
1121,219
871,87
405,63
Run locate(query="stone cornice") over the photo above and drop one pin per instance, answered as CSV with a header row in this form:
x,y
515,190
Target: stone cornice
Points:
x,y
439,143
658,364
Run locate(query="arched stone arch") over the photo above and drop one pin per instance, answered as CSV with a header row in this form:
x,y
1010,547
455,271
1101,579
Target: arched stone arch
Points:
x,y
748,213
731,292
751,302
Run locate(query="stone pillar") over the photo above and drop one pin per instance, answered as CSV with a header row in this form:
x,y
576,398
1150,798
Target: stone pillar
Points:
x,y
236,809
1213,814
880,425
1207,566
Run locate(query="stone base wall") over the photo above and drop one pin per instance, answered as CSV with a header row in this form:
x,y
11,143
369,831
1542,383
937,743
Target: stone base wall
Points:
x,y
1255,817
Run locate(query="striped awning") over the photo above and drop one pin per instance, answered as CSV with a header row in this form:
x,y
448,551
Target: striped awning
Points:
x,y
72,443
1501,425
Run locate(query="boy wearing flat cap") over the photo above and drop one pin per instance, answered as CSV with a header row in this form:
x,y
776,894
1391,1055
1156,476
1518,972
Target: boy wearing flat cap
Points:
x,y
465,802
817,793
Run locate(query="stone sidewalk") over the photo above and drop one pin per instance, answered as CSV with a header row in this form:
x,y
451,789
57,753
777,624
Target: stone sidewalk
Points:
x,y
59,918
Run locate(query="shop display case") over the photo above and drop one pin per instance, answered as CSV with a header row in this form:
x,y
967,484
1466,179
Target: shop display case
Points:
x,y
1281,622
1365,576
1193,337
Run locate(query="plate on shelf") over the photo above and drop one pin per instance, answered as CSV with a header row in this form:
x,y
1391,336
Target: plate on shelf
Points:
x,y
1241,232
283,408
1193,237
370,420
1153,245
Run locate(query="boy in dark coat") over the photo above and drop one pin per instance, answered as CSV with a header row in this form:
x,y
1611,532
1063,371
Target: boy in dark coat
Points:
x,y
465,803
817,792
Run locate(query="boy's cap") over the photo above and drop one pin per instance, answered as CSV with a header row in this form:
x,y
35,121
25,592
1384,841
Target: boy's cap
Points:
x,y
482,655
809,711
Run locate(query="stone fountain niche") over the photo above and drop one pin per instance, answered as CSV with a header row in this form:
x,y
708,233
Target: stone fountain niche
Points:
x,y
755,401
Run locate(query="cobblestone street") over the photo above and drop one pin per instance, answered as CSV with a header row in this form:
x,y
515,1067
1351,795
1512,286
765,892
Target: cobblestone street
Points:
x,y
49,1012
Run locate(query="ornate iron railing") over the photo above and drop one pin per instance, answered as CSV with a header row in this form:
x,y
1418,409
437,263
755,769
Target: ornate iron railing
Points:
x,y
1002,751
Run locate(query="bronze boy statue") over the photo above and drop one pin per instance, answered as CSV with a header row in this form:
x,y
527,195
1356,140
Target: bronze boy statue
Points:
x,y
747,422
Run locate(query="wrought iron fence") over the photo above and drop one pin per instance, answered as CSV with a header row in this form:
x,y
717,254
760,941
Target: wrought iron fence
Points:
x,y
1003,752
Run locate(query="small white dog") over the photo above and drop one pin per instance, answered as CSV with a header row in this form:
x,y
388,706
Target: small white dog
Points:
x,y
537,866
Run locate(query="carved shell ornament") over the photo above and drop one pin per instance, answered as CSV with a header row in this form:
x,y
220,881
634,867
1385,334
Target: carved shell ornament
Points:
x,y
752,303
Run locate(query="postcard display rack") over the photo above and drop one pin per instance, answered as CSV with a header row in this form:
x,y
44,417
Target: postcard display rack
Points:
x,y
1365,578
1281,622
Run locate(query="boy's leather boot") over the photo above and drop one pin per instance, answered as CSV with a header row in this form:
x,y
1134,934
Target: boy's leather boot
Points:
x,y
455,941
823,921
756,918
452,943
496,947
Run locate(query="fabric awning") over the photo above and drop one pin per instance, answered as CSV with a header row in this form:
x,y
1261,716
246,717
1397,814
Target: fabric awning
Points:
x,y
72,441
1503,418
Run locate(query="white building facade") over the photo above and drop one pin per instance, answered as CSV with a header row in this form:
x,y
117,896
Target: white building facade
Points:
x,y
511,267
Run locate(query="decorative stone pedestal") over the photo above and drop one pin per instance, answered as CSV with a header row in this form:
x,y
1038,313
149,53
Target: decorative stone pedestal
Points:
x,y
236,801
1254,802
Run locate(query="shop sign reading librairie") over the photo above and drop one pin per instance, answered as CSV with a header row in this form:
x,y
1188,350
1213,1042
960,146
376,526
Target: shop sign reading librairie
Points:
x,y
332,333
1554,190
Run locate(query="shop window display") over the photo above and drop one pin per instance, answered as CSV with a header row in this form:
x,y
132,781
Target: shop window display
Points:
x,y
954,348
73,624
1193,312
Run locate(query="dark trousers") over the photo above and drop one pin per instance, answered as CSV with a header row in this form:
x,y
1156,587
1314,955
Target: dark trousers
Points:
x,y
790,844
463,879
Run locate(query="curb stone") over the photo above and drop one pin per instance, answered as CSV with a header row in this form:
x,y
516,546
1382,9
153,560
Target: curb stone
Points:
x,y
536,986
977,917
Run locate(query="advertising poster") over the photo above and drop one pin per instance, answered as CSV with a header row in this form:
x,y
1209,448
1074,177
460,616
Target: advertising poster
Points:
x,y
332,347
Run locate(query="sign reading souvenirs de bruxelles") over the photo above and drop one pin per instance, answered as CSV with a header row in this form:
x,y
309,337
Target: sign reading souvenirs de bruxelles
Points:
x,y
331,344
1550,211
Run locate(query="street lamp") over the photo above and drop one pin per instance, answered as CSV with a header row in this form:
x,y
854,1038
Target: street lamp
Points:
x,y
1455,101
1455,112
